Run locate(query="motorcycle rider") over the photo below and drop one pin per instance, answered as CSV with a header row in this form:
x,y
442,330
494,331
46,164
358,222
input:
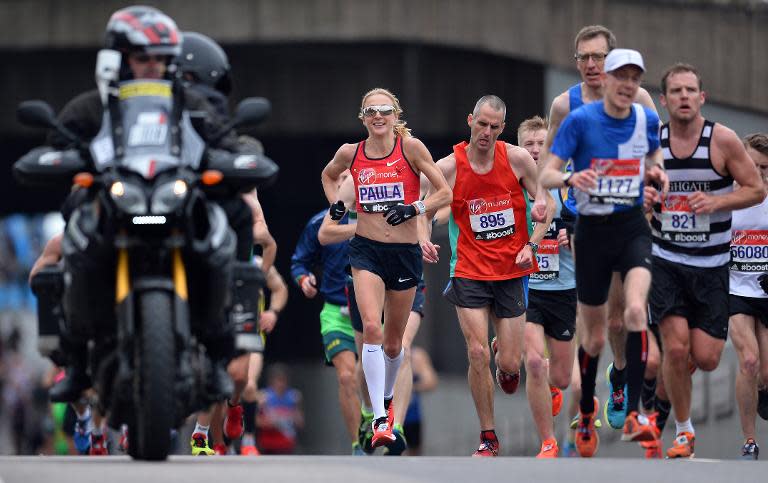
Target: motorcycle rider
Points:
x,y
149,42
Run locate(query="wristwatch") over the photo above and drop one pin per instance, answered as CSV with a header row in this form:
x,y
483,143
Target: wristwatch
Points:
x,y
567,178
534,246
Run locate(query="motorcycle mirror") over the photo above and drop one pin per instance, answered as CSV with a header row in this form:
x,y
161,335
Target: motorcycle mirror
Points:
x,y
36,114
251,111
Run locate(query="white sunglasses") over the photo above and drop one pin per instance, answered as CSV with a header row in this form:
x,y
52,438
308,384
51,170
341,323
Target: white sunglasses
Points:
x,y
383,109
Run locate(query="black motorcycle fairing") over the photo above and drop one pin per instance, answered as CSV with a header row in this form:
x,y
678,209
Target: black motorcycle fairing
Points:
x,y
45,166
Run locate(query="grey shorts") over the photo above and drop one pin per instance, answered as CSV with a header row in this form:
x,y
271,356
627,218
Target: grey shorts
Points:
x,y
506,297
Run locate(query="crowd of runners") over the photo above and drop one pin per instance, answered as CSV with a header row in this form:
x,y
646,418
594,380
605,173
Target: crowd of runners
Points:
x,y
601,220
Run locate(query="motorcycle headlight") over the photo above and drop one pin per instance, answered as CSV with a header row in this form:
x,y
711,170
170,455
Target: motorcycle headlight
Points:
x,y
169,196
129,198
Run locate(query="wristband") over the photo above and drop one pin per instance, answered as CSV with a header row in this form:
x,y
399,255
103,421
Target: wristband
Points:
x,y
301,278
420,207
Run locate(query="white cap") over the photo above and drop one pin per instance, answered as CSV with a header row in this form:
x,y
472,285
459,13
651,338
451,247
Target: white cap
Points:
x,y
620,57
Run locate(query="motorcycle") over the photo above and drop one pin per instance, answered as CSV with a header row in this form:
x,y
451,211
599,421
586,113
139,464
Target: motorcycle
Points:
x,y
148,261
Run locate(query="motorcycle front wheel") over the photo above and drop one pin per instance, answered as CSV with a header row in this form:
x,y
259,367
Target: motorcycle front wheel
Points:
x,y
154,378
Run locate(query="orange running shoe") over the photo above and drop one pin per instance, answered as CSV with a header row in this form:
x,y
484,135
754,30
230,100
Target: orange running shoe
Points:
x,y
249,451
506,381
557,399
682,447
587,439
233,425
549,449
382,433
220,449
652,449
638,427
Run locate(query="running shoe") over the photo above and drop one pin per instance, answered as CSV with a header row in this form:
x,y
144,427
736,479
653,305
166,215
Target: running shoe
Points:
x,y
549,449
400,444
382,433
98,445
587,439
615,410
638,427
82,435
557,399
249,450
762,403
365,433
750,450
507,382
233,424
487,448
575,422
682,447
653,449
220,449
199,444
357,450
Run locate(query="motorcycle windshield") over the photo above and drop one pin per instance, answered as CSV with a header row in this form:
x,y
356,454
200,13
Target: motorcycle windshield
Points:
x,y
146,144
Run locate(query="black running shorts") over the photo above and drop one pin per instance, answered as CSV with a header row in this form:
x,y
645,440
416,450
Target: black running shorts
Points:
x,y
506,297
752,306
605,244
700,295
555,310
399,265
354,312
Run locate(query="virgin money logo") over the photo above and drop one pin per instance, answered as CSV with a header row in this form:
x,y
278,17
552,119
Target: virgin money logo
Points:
x,y
476,206
367,176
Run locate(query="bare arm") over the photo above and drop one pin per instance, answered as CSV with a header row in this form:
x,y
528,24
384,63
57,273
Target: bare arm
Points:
x,y
422,160
447,167
332,231
330,176
743,170
525,168
50,256
278,298
557,112
261,234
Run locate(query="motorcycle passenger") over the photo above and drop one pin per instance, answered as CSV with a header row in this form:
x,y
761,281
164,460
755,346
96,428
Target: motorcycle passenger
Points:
x,y
205,68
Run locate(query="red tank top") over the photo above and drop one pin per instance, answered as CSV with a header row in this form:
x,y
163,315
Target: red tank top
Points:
x,y
489,219
383,182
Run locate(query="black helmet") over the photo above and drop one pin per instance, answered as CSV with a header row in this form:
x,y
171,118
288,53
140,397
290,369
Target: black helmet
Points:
x,y
206,61
145,29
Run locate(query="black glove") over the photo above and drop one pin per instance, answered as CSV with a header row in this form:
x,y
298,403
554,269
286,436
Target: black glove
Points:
x,y
337,210
763,279
399,213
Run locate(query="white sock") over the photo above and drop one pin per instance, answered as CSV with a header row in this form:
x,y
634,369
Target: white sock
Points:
x,y
201,429
373,367
391,367
686,426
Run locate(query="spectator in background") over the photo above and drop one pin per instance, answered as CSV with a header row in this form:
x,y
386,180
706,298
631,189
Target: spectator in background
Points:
x,y
280,414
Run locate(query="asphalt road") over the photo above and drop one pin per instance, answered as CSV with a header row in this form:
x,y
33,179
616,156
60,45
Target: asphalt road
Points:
x,y
342,469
